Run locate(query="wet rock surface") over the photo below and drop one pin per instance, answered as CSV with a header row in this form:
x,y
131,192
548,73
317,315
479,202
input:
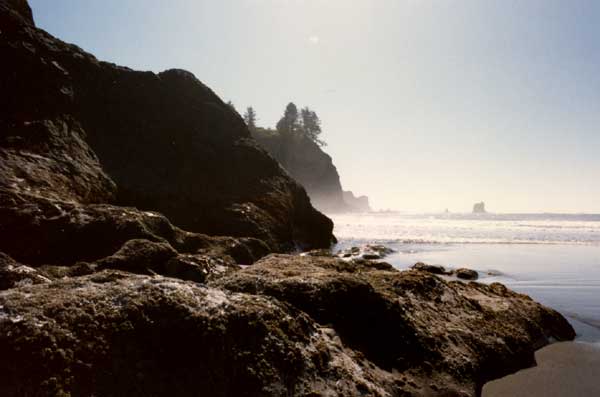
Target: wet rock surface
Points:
x,y
457,335
114,333
466,274
287,325
433,269
461,273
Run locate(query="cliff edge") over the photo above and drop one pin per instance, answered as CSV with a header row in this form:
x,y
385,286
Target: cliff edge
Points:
x,y
307,163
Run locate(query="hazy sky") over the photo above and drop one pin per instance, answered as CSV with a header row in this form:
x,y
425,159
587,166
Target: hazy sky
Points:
x,y
425,105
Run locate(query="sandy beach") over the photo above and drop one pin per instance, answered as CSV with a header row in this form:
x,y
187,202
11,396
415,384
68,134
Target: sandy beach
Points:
x,y
564,369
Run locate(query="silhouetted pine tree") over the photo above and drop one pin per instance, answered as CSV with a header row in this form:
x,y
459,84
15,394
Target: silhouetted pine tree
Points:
x,y
311,125
250,118
288,126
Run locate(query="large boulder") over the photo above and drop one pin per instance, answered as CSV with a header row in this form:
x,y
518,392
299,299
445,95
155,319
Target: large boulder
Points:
x,y
148,257
433,269
75,128
114,333
451,335
466,274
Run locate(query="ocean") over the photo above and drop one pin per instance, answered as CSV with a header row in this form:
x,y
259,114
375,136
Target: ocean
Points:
x,y
554,258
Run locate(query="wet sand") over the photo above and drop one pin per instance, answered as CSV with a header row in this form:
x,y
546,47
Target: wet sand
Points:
x,y
564,369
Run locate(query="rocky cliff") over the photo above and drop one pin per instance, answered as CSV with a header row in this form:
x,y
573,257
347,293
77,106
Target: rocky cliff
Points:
x,y
312,167
78,129
101,298
360,203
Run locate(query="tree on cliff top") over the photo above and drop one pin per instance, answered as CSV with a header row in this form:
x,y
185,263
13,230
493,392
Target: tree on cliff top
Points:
x,y
311,125
250,118
287,127
306,124
289,124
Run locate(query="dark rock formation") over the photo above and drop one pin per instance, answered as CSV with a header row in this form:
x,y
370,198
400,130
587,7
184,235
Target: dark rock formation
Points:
x,y
81,130
312,167
117,334
38,231
198,268
13,274
147,257
466,274
50,158
359,204
372,264
292,325
139,256
433,269
479,208
451,335
462,273
20,7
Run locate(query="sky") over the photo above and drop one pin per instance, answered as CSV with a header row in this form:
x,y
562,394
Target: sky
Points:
x,y
425,105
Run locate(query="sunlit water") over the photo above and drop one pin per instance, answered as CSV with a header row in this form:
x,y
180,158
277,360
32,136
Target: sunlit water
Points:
x,y
553,258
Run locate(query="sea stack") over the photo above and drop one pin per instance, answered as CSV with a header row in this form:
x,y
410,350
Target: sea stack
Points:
x,y
479,208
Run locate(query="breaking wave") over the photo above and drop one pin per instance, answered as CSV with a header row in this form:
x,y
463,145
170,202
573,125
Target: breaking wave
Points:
x,y
398,228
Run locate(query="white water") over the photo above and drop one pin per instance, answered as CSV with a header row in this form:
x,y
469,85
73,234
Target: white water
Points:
x,y
551,257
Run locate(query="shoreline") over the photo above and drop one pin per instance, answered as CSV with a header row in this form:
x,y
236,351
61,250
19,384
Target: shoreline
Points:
x,y
563,369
